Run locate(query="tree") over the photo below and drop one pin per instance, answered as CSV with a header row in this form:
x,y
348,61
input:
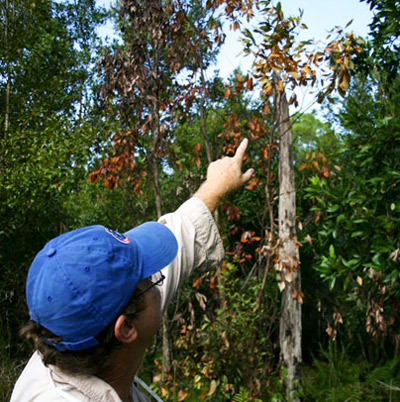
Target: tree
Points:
x,y
282,64
310,134
358,214
290,327
141,76
142,82
42,154
382,57
355,200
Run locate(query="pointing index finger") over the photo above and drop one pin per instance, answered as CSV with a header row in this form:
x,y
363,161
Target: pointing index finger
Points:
x,y
241,150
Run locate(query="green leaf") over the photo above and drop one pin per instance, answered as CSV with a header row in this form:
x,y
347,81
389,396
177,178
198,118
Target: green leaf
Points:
x,y
333,208
349,23
332,251
357,234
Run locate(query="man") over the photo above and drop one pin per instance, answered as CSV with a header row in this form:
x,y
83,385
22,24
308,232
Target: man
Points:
x,y
94,309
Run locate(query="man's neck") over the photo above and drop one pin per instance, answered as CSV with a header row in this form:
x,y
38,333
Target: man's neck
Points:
x,y
124,364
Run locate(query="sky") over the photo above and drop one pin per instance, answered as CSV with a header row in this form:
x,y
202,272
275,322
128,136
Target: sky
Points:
x,y
320,16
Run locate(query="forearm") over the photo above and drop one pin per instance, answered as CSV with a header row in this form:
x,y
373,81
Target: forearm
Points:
x,y
207,194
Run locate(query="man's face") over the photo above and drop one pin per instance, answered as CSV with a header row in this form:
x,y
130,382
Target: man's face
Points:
x,y
148,320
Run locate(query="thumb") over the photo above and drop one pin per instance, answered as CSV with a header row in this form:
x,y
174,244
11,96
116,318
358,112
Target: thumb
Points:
x,y
247,175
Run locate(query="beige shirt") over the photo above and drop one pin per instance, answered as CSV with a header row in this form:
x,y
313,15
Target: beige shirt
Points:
x,y
199,248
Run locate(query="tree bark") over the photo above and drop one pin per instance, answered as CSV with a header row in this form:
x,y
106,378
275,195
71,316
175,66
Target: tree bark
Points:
x,y
8,85
288,265
166,350
202,113
156,140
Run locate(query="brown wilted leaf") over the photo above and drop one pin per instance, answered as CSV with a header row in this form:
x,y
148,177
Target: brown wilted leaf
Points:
x,y
157,378
198,281
300,297
246,236
297,294
196,153
202,300
266,109
249,84
395,255
225,339
164,392
325,171
213,279
182,395
304,166
253,182
338,318
344,81
177,317
331,332
213,388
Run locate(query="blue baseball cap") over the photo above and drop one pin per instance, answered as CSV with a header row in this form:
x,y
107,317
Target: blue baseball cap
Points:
x,y
81,280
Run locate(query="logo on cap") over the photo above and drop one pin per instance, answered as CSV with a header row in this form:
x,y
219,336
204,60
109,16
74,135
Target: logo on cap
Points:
x,y
119,236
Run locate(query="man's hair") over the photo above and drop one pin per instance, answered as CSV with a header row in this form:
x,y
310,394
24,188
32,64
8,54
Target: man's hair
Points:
x,y
91,361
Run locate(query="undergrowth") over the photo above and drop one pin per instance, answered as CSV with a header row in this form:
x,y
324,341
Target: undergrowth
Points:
x,y
337,376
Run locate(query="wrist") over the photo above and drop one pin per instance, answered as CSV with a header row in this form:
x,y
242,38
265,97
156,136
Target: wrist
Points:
x,y
209,195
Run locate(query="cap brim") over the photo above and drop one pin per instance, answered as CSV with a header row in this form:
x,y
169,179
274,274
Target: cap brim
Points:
x,y
157,245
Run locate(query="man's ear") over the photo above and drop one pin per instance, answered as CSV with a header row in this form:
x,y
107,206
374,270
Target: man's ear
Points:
x,y
125,331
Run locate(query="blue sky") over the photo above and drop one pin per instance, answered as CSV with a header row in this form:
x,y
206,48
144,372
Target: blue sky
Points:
x,y
320,16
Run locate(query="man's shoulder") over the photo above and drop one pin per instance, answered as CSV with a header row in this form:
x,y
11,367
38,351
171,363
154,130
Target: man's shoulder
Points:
x,y
39,383
34,383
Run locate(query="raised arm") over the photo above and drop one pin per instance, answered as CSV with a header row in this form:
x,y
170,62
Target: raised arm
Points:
x,y
223,176
199,243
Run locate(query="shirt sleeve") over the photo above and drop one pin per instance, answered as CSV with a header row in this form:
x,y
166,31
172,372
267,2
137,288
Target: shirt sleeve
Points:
x,y
199,245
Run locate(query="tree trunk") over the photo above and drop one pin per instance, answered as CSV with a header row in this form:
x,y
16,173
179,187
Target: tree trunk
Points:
x,y
166,351
8,85
156,140
288,264
202,114
156,182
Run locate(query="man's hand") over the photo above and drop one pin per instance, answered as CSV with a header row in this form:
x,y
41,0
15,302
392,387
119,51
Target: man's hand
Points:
x,y
224,175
